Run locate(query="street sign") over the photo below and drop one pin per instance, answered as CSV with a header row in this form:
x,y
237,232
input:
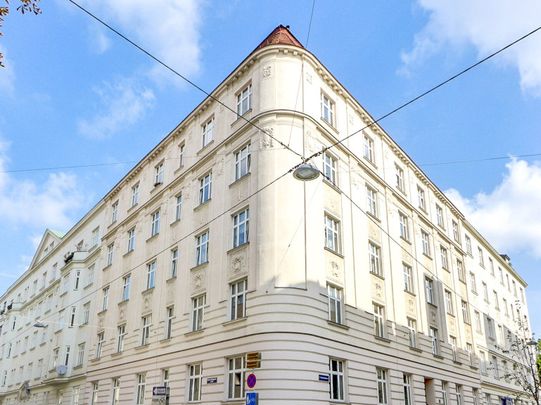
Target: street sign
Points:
x,y
252,398
251,380
160,391
324,377
212,380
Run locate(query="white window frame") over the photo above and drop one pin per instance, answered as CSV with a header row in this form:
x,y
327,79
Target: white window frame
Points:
x,y
425,243
135,194
444,256
241,221
105,298
433,333
99,343
449,302
327,109
399,178
368,148
236,373
242,161
372,201
330,167
336,379
181,149
205,188
114,212
408,277
382,388
379,320
158,174
146,323
244,100
207,130
173,271
80,354
439,216
336,303
238,290
374,259
412,332
116,391
121,335
94,395
198,311
195,381
151,274
465,312
110,251
126,282
404,226
201,248
155,223
170,315
332,233
140,389
429,291
131,239
406,384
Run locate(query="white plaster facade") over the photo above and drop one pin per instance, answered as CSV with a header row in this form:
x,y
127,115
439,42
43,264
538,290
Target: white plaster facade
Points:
x,y
302,286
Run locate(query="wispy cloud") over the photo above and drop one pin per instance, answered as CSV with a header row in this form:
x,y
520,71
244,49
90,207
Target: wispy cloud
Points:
x,y
486,26
7,75
123,103
508,216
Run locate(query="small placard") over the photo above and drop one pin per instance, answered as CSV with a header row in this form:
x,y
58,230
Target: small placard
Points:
x,y
324,377
212,380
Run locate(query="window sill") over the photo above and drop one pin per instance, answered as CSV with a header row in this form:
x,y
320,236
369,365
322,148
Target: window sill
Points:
x,y
116,354
156,186
407,240
132,207
103,311
205,147
438,356
152,237
194,332
179,169
83,325
146,346
329,124
147,291
239,247
88,285
427,255
235,321
374,217
410,293
123,302
416,349
432,305
382,339
107,267
202,204
176,221
333,252
127,253
338,325
171,279
331,185
371,162
377,275
201,265
77,367
240,179
241,117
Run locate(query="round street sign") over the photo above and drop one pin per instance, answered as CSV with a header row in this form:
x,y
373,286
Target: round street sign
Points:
x,y
251,380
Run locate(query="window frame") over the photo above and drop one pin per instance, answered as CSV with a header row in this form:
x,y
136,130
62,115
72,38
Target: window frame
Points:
x,y
207,131
159,173
146,324
404,226
244,100
382,386
195,381
380,329
330,167
151,274
236,377
205,188
121,334
131,239
408,278
374,259
243,160
140,389
237,299
126,286
198,311
327,109
368,148
335,300
155,223
241,227
332,233
202,248
337,371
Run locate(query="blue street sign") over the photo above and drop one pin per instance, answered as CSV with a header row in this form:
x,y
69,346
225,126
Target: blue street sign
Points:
x,y
252,398
324,377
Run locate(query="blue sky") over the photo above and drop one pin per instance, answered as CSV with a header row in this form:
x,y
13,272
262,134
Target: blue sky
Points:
x,y
74,94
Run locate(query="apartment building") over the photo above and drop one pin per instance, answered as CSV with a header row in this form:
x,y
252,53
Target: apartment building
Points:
x,y
210,261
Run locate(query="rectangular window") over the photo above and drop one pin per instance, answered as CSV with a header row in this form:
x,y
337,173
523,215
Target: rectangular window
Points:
x,y
478,326
372,201
456,232
195,373
86,314
408,277
242,162
155,223
399,178
158,174
114,212
95,391
332,234
205,185
207,130
110,250
116,391
429,291
236,370
99,344
327,109
421,199
505,307
412,327
336,380
181,148
404,226
135,194
491,266
481,257
140,396
238,299
72,317
126,281
240,227
496,300
406,384
439,217
468,245
201,248
425,243
335,296
458,393
146,322
80,354
244,100
368,150
131,239
330,164
151,274
105,298
485,291
445,400
473,282
170,312
174,263
449,302
465,312
178,206
121,329
76,281
433,333
95,237
444,258
461,271
381,378
379,320
198,306
374,259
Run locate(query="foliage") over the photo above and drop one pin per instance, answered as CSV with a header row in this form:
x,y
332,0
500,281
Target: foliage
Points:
x,y
25,6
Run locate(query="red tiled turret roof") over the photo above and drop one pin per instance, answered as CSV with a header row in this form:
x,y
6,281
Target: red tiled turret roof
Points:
x,y
280,36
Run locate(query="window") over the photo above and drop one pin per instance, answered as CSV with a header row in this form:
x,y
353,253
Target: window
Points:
x,y
332,233
205,184
238,299
236,377
461,271
481,256
198,305
335,295
374,259
404,226
126,280
485,291
379,320
505,307
80,354
468,245
135,195
131,239
181,155
178,206
170,311
491,331
433,333
408,277
158,174
327,109
67,356
496,300
240,227
146,322
495,367
445,400
406,384
444,258
140,396
109,259
421,200
116,391
381,378
121,329
491,265
76,392
336,381
242,162
465,312
72,317
76,280
201,248
244,100
425,242
155,223
399,178
151,274
473,282
99,344
195,373
329,167
90,276
174,263
114,212
372,201
95,237
105,298
207,130
439,217
412,326
456,233
478,327
368,151
429,291
458,393
449,302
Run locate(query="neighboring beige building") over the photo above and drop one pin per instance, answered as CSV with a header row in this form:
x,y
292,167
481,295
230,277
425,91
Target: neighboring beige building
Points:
x,y
365,286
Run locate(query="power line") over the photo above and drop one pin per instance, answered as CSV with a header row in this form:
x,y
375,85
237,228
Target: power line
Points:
x,y
454,162
159,61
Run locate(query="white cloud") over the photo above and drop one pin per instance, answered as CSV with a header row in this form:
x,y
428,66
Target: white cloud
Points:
x,y
124,103
7,75
509,216
167,28
487,26
26,203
